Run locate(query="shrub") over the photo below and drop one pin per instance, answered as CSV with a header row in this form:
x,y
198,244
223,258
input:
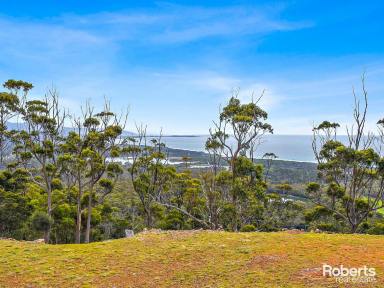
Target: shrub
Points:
x,y
326,227
41,221
378,228
248,228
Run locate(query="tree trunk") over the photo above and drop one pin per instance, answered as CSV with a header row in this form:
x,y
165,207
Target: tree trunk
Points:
x,y
235,209
149,217
78,222
89,216
47,234
215,219
234,196
78,214
46,237
354,227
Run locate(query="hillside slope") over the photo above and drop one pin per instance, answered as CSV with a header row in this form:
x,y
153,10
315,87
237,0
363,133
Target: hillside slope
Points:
x,y
190,259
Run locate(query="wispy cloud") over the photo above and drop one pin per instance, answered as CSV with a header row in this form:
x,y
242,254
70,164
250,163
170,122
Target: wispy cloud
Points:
x,y
66,43
175,65
167,25
196,23
22,38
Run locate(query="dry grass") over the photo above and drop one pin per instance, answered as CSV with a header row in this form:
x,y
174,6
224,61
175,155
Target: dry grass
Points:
x,y
191,259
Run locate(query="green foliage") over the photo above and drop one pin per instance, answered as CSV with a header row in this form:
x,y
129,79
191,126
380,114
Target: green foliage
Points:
x,y
248,228
16,85
72,188
41,221
278,213
316,213
351,176
319,217
227,215
243,116
174,220
377,228
327,125
15,209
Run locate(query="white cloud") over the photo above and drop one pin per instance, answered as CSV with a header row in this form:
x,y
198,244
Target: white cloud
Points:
x,y
29,39
167,24
85,56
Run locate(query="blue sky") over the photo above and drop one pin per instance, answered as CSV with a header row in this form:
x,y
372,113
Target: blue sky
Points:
x,y
174,63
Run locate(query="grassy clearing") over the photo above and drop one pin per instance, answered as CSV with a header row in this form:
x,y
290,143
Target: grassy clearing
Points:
x,y
191,259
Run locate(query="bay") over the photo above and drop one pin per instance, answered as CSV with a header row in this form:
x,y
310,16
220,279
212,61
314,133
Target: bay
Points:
x,y
286,147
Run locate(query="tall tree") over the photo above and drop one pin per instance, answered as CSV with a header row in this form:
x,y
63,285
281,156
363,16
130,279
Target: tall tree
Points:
x,y
73,166
150,175
236,135
351,175
9,107
102,142
87,160
40,141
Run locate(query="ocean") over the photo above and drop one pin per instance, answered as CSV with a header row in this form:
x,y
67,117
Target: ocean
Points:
x,y
286,147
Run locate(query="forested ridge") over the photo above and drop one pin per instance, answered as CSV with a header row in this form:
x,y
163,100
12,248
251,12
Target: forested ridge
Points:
x,y
92,181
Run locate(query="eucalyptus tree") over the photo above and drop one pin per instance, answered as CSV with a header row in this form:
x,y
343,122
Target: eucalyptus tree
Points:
x,y
155,182
100,146
268,157
244,124
73,168
351,174
186,203
150,176
235,137
87,165
215,151
10,102
208,180
36,147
